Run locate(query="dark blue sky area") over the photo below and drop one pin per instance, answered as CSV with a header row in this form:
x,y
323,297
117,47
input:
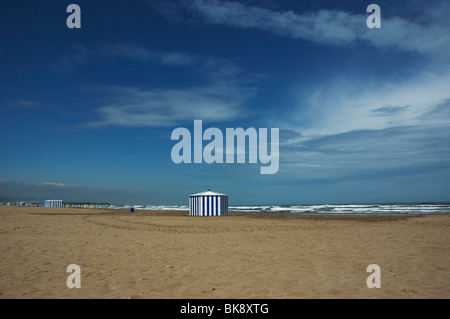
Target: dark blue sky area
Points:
x,y
87,114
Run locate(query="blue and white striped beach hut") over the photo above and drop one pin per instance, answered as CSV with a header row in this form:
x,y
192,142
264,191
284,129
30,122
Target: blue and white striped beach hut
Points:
x,y
58,203
208,204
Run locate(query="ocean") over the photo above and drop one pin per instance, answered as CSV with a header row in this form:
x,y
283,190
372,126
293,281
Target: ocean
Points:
x,y
325,209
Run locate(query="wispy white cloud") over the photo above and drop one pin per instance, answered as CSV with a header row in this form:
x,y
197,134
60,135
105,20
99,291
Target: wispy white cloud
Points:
x,y
68,63
156,107
25,104
428,34
55,184
324,25
369,154
352,130
142,54
81,55
220,95
343,105
44,184
220,98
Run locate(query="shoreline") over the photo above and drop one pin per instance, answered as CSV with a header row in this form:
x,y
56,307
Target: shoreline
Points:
x,y
263,214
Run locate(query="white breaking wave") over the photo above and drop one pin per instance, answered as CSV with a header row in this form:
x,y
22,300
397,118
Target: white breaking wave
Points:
x,y
324,209
351,209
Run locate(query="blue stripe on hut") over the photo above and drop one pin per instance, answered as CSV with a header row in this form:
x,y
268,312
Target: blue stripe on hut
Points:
x,y
208,204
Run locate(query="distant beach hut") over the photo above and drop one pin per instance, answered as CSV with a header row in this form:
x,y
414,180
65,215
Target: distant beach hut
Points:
x,y
208,204
58,203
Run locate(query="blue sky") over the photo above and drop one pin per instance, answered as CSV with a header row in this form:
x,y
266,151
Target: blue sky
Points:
x,y
87,114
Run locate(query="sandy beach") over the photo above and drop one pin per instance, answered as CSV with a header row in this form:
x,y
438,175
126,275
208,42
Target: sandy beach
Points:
x,y
168,254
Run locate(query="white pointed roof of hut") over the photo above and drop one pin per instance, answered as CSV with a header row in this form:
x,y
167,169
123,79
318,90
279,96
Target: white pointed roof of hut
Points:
x,y
208,193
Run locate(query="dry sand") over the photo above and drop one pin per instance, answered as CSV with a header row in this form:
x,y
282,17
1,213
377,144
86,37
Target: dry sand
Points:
x,y
154,254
